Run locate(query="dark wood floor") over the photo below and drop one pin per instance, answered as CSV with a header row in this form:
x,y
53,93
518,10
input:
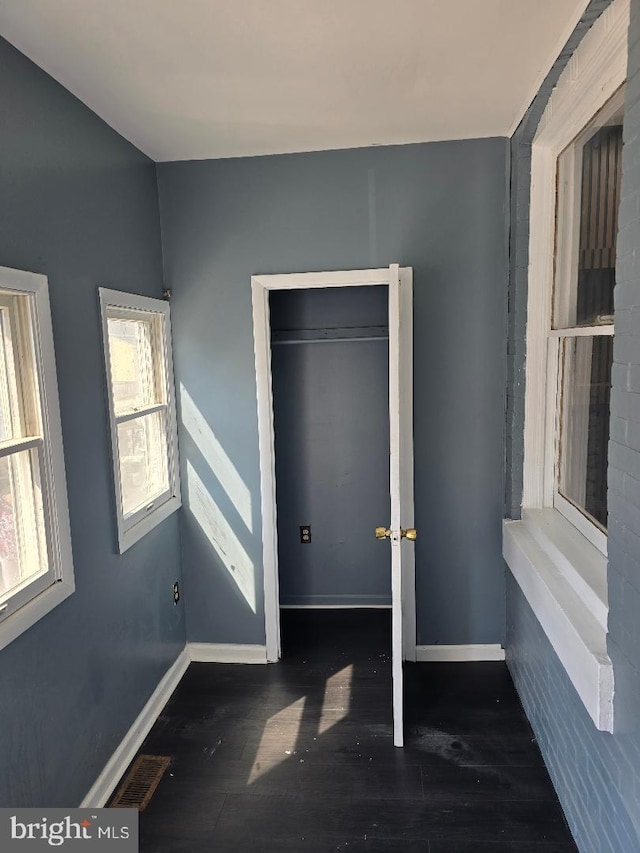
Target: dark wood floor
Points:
x,y
298,756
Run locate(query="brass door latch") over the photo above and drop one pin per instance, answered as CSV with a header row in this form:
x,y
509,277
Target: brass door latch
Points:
x,y
409,533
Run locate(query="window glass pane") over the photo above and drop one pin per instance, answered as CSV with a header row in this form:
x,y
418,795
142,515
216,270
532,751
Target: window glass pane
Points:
x,y
590,172
144,469
133,372
9,405
601,174
23,552
584,428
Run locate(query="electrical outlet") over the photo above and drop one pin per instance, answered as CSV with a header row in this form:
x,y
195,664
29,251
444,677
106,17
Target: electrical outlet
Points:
x,y
176,592
305,534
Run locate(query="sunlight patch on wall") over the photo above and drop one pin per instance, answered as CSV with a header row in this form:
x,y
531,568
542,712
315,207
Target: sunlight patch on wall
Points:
x,y
287,724
337,699
221,536
214,453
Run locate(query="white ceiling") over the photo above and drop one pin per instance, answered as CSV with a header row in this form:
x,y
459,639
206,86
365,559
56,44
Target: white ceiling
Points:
x,y
194,79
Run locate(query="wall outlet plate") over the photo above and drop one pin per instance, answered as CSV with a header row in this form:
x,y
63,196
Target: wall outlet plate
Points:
x,y
305,534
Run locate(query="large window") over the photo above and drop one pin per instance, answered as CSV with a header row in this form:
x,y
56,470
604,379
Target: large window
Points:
x,y
557,550
589,176
36,570
137,337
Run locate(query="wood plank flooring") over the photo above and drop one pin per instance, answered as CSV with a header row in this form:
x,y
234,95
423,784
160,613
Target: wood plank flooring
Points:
x,y
298,756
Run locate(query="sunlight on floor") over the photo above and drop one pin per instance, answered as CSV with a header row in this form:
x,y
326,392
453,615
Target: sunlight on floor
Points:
x,y
221,536
337,699
288,720
216,457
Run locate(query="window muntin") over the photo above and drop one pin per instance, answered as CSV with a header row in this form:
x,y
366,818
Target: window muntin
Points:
x,y
140,382
588,197
35,553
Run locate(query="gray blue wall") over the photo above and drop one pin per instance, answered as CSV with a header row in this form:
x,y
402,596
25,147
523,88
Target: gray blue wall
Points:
x,y
79,204
439,208
331,406
597,775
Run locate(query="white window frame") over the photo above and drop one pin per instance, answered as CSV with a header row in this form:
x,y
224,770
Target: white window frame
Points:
x,y
556,554
132,529
593,75
30,604
564,292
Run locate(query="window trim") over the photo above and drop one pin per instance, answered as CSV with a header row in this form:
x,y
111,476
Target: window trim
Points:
x,y
541,548
136,526
593,75
55,504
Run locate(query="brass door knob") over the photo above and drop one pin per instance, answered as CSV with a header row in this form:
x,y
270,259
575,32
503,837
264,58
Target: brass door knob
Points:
x,y
410,533
382,533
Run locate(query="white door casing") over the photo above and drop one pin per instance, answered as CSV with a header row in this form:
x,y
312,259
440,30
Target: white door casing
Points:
x,y
399,282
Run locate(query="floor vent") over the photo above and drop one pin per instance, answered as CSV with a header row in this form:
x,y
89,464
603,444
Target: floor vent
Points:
x,y
140,783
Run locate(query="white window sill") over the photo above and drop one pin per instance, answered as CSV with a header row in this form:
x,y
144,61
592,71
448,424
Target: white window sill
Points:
x,y
563,577
130,535
20,621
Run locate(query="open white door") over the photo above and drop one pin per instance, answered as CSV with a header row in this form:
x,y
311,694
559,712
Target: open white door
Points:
x,y
399,281
400,484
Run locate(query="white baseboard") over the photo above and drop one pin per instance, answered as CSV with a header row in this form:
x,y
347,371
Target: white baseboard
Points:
x,y
226,653
114,769
478,652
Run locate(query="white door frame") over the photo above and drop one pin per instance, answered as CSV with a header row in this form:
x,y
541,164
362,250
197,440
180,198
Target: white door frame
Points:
x,y
260,287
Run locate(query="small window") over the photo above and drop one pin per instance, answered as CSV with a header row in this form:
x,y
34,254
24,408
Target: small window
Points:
x,y
36,571
589,178
137,336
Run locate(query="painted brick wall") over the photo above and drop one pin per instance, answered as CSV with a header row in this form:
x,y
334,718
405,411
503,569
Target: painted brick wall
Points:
x,y
597,775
